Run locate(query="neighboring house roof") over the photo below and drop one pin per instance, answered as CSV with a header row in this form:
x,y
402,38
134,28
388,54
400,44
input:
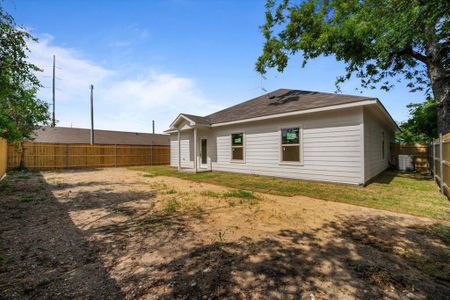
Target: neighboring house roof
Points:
x,y
67,135
279,102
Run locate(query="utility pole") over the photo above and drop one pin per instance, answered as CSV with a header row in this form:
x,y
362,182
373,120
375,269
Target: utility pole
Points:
x,y
53,93
153,126
92,113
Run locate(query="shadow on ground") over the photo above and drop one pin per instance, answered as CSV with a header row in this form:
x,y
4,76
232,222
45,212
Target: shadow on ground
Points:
x,y
387,176
44,255
360,262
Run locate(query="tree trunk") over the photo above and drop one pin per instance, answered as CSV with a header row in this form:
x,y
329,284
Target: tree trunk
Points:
x,y
22,156
440,84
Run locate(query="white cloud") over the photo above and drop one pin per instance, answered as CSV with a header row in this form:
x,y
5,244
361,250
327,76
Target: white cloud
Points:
x,y
160,90
121,103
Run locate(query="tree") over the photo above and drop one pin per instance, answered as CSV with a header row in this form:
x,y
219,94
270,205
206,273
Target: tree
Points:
x,y
378,40
421,127
20,111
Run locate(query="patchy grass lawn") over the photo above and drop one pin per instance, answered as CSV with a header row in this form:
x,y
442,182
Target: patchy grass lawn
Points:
x,y
123,234
409,193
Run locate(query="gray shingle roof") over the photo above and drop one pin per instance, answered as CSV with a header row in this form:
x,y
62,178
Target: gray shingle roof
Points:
x,y
67,135
197,119
280,101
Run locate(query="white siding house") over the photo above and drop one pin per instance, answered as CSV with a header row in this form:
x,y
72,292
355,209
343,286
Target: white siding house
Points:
x,y
340,142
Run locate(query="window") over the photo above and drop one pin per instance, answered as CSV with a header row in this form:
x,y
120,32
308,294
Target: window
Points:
x,y
290,144
237,146
382,145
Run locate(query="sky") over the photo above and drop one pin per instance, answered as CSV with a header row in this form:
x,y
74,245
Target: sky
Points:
x,y
151,60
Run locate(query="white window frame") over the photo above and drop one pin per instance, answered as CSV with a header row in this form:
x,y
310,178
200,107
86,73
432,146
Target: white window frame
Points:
x,y
241,161
300,145
383,146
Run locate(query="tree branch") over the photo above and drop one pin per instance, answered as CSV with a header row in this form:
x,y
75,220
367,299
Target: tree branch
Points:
x,y
414,54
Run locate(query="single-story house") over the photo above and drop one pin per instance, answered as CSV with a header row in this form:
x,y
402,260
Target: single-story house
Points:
x,y
69,135
289,133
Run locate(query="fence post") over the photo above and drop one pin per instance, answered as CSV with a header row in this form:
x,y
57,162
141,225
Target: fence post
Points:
x,y
115,155
151,154
441,162
67,155
433,144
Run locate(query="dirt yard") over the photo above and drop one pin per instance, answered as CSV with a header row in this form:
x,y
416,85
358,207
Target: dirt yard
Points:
x,y
122,234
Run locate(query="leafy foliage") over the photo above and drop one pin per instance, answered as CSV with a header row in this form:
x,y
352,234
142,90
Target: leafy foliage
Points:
x,y
20,110
421,126
377,39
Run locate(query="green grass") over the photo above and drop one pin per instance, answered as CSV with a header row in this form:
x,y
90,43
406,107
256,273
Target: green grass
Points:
x,y
27,199
240,194
231,194
44,281
168,192
245,197
442,232
408,193
211,194
171,205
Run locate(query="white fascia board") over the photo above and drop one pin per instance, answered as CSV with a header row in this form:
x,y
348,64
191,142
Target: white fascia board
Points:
x,y
388,116
192,126
176,130
300,112
170,131
192,123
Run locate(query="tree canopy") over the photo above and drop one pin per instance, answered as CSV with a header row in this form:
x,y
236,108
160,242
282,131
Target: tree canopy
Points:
x,y
421,127
378,40
21,112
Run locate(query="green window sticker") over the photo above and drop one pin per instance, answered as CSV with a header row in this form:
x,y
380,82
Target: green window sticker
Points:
x,y
291,136
237,139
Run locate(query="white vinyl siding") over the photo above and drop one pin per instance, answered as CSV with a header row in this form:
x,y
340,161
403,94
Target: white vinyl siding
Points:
x,y
374,163
174,149
337,146
331,147
186,141
187,148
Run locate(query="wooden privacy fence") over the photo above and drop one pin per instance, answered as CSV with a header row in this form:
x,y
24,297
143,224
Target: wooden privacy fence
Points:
x,y
441,162
3,157
46,156
420,153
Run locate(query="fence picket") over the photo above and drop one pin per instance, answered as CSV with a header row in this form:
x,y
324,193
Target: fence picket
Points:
x,y
45,156
3,157
420,153
441,158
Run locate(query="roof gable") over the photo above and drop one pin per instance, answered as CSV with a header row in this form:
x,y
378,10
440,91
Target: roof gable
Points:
x,y
191,119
